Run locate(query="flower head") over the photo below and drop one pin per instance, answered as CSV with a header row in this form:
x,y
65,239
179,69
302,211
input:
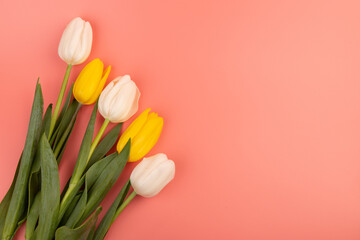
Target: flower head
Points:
x,y
152,174
144,132
76,41
119,100
90,82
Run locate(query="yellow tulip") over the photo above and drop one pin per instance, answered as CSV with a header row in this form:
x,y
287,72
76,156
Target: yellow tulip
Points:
x,y
144,132
90,82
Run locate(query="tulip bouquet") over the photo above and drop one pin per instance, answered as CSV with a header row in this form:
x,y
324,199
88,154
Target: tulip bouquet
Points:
x,y
34,196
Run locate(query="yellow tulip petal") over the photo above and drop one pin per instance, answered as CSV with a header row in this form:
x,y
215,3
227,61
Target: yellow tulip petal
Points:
x,y
145,140
88,80
100,87
133,129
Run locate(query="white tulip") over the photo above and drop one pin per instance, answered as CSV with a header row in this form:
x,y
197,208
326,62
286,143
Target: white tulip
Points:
x,y
152,174
75,43
119,100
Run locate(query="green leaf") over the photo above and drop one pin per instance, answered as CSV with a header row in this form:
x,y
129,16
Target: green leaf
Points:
x,y
70,198
63,141
105,182
105,145
71,208
4,205
84,148
91,175
34,179
78,210
50,192
66,123
45,125
17,206
65,107
33,216
96,170
106,222
80,233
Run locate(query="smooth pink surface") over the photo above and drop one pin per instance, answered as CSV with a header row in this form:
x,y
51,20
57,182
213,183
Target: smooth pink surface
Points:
x,y
261,101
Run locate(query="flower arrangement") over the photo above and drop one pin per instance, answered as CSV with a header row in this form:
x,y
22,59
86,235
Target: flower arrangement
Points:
x,y
34,196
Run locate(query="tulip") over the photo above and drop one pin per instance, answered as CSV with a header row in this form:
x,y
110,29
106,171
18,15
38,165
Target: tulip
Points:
x,y
144,132
74,48
152,174
119,100
90,82
75,43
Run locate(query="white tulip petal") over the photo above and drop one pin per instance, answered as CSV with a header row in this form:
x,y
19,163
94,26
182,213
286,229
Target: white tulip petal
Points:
x,y
119,100
103,108
75,43
122,102
152,174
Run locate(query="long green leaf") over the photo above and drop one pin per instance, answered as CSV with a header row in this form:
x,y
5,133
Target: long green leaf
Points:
x,y
18,199
84,148
105,182
65,107
105,145
50,192
33,216
34,179
80,233
102,148
106,222
80,166
78,210
67,122
71,208
45,125
4,205
91,175
71,197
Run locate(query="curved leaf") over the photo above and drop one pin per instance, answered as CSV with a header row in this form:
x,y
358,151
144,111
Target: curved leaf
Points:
x,y
106,222
33,216
80,233
105,181
50,191
18,199
105,145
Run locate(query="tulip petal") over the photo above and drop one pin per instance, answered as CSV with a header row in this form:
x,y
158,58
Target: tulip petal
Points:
x,y
148,165
119,100
73,40
125,103
133,129
145,140
85,43
75,43
103,108
88,81
159,177
152,174
100,87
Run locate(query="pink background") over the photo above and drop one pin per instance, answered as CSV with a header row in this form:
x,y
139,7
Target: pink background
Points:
x,y
261,101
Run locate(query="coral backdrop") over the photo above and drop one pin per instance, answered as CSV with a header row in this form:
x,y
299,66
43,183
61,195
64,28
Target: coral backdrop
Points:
x,y
261,101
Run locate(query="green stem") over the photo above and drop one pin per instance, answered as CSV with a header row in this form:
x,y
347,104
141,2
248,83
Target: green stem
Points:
x,y
123,205
59,100
97,138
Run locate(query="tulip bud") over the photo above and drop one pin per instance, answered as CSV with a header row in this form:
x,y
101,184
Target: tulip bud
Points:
x,y
119,100
75,43
144,132
152,174
90,82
